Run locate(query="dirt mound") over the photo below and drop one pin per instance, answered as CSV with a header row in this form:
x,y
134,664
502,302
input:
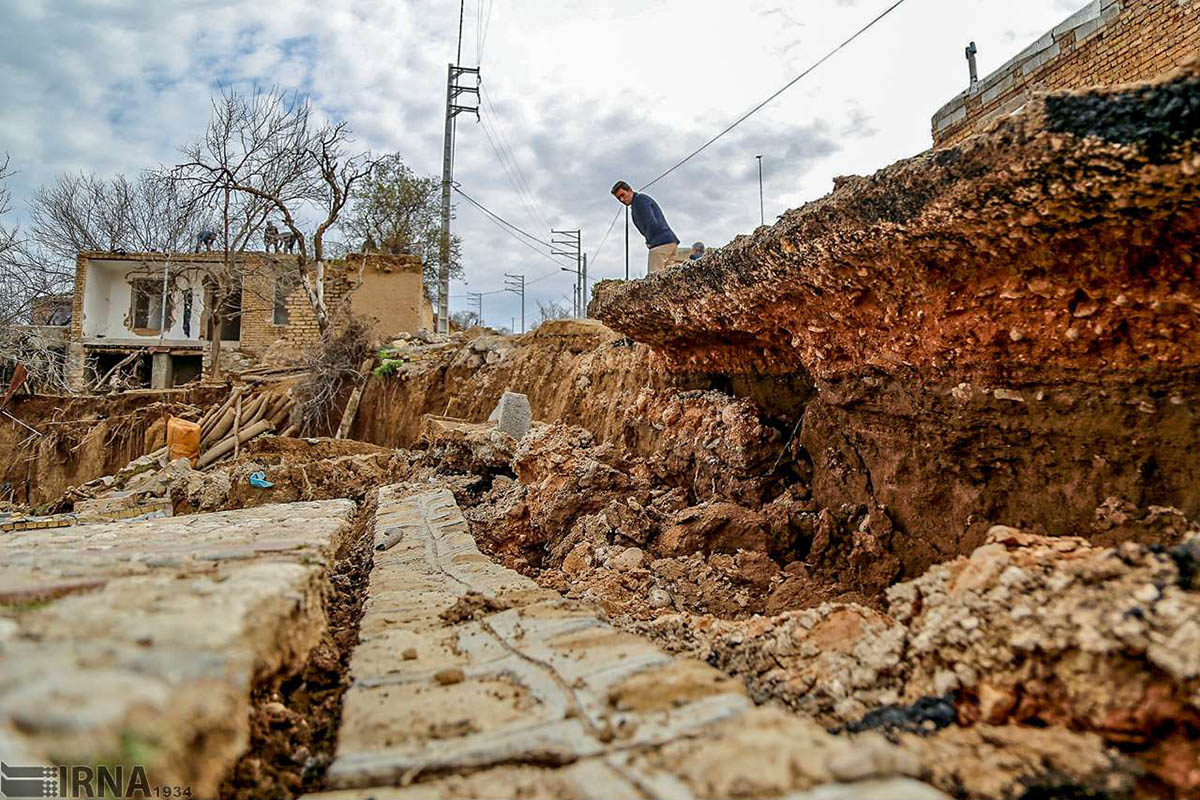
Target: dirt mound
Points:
x,y
299,469
1027,631
85,438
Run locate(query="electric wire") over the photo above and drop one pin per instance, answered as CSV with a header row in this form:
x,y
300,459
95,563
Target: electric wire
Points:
x,y
478,31
513,231
506,147
499,218
493,142
505,225
780,91
753,111
599,247
486,22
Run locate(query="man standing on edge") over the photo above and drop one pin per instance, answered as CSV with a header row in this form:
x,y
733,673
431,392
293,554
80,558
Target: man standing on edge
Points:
x,y
651,223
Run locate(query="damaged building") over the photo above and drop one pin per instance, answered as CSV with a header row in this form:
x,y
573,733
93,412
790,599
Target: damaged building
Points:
x,y
253,303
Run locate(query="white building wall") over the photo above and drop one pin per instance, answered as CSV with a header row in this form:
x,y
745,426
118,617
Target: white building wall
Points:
x,y
108,295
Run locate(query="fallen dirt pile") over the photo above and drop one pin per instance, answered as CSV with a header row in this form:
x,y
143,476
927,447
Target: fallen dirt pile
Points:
x,y
79,439
1029,632
695,527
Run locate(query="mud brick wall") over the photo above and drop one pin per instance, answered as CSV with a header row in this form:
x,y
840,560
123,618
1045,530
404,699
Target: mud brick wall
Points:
x,y
1105,43
259,331
386,290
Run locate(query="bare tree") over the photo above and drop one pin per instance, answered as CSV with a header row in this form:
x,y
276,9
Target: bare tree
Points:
x,y
462,320
85,212
23,281
552,310
339,172
264,152
257,142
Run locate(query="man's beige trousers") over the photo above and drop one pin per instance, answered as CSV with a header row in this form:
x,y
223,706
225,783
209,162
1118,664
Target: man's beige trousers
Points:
x,y
660,256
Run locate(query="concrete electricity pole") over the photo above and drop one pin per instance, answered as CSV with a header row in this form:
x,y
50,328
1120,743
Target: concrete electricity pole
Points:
x,y
516,285
454,89
567,243
477,299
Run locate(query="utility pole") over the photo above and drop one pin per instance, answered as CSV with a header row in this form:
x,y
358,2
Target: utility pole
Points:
x,y
516,285
453,108
972,50
477,299
585,292
567,243
762,217
626,242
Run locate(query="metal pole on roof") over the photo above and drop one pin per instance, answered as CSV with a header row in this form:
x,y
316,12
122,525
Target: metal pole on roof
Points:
x,y
762,217
162,320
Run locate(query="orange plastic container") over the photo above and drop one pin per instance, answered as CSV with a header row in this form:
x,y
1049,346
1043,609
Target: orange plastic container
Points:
x,y
183,439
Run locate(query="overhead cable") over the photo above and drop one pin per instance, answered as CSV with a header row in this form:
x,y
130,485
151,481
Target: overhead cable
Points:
x,y
755,110
780,91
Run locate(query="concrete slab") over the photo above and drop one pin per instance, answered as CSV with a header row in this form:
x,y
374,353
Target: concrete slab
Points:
x,y
471,681
138,643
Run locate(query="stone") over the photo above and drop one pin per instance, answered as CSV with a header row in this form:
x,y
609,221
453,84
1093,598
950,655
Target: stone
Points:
x,y
628,559
659,598
448,677
512,415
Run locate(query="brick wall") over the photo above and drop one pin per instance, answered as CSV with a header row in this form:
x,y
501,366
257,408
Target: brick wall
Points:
x,y
387,290
77,301
1107,42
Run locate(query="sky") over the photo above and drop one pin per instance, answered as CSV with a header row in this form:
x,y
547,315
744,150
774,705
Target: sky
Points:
x,y
576,94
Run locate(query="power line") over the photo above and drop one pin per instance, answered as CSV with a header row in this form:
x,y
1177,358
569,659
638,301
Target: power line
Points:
x,y
604,238
506,146
512,179
487,22
499,218
751,113
505,225
782,89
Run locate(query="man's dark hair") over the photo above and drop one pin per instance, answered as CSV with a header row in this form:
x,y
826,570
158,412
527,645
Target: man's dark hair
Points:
x,y
619,185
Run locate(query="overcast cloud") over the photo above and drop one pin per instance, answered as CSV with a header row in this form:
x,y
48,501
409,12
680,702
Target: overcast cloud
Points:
x,y
584,92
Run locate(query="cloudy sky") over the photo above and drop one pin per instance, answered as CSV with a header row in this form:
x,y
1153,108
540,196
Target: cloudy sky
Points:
x,y
578,93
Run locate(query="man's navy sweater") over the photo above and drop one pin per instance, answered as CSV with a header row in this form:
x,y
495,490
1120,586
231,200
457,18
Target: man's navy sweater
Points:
x,y
650,222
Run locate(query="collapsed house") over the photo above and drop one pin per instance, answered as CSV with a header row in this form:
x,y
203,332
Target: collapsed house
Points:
x,y
252,303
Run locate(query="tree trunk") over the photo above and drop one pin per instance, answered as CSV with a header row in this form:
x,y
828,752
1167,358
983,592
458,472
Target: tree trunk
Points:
x,y
316,296
214,353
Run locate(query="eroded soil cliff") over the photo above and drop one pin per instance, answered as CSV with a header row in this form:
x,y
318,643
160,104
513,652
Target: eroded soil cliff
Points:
x,y
1007,329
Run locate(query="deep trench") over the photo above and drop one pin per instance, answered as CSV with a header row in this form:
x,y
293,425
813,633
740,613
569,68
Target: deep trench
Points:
x,y
294,717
